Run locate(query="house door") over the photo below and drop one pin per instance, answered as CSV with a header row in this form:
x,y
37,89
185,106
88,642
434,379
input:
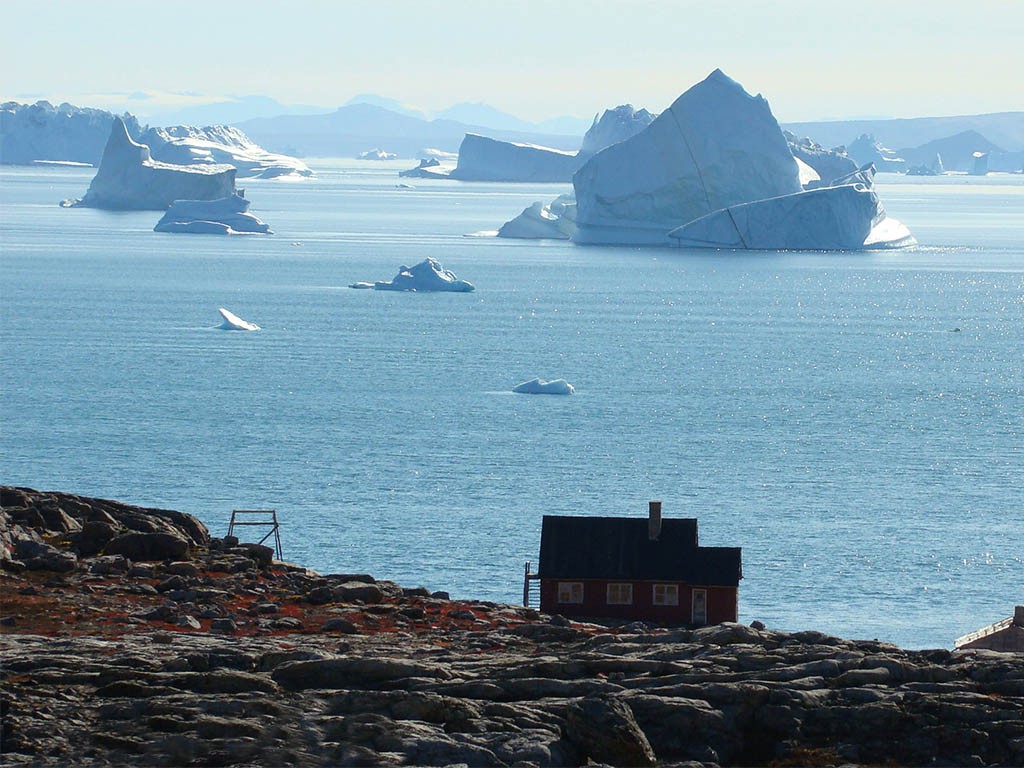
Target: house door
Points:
x,y
699,613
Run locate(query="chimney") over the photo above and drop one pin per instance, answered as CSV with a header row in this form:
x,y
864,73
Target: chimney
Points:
x,y
1018,615
653,520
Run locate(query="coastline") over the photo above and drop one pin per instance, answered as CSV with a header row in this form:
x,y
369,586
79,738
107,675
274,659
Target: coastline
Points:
x,y
131,636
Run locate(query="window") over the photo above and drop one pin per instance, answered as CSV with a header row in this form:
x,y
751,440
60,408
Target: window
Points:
x,y
620,594
666,594
570,592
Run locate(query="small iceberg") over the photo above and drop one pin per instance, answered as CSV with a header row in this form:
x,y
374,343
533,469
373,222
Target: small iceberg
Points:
x,y
541,387
225,216
233,322
428,275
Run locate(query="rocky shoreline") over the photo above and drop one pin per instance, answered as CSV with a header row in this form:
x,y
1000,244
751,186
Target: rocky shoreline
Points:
x,y
131,637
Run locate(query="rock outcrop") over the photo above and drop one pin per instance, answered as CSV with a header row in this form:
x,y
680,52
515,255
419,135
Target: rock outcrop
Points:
x,y
221,655
129,179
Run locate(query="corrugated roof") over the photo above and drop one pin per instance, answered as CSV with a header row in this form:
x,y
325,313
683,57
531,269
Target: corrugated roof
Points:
x,y
619,548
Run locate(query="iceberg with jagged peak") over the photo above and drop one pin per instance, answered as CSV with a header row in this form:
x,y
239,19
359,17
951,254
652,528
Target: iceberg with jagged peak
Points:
x,y
129,179
715,146
542,387
715,171
220,144
226,216
428,275
613,126
233,322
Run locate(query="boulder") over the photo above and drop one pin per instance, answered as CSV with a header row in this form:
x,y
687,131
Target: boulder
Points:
x,y
148,546
603,729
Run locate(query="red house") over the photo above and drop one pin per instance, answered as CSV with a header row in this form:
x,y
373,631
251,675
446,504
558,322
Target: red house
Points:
x,y
636,569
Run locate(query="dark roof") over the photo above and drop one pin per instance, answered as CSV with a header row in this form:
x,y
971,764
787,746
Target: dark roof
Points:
x,y
619,548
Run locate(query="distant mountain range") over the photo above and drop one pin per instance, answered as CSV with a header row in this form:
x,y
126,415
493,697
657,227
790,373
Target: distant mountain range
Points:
x,y
1003,129
355,128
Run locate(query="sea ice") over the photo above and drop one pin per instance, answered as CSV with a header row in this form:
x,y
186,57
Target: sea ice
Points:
x,y
428,275
233,322
129,179
226,216
716,146
848,217
542,387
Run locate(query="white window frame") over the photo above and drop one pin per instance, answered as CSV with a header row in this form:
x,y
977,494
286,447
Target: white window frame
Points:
x,y
570,592
623,593
669,594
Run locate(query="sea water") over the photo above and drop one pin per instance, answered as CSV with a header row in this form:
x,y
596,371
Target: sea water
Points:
x,y
853,421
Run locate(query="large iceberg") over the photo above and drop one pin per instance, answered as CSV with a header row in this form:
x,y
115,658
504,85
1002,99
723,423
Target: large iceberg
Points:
x,y
129,179
847,217
220,144
485,159
41,132
613,126
226,216
428,275
716,146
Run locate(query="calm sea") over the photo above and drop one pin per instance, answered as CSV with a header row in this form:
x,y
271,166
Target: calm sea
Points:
x,y
853,421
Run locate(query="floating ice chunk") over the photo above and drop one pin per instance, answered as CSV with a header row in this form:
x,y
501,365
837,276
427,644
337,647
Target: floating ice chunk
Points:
x,y
226,216
555,220
848,217
233,322
376,154
542,387
485,159
428,275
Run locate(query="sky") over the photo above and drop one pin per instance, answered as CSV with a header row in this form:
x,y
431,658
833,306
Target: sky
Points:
x,y
536,59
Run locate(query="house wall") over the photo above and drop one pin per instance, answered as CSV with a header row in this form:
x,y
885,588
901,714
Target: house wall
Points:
x,y
722,602
1009,639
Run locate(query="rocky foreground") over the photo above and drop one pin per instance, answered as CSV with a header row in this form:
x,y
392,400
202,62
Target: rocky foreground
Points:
x,y
131,637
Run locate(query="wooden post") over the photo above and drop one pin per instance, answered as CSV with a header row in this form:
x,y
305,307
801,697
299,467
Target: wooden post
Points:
x,y
526,585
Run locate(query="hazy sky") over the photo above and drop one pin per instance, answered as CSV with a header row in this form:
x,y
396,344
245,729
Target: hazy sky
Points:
x,y
536,59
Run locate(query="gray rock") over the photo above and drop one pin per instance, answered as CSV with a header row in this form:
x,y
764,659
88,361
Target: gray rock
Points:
x,y
603,729
148,546
352,672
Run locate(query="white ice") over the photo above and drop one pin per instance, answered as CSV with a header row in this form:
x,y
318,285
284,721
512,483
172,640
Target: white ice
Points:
x,y
233,322
428,275
225,144
715,146
542,387
555,221
848,217
226,216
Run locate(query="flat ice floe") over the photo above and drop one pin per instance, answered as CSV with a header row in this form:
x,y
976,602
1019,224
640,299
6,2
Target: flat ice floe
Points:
x,y
233,322
542,387
426,276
